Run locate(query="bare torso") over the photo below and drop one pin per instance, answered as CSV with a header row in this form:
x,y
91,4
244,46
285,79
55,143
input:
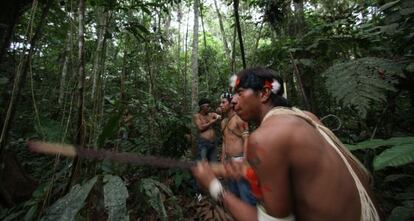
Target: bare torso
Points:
x,y
301,173
206,133
232,128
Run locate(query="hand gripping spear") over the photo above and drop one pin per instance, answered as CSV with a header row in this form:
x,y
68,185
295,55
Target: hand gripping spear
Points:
x,y
122,157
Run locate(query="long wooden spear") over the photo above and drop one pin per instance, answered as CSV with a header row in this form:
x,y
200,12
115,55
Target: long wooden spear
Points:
x,y
122,157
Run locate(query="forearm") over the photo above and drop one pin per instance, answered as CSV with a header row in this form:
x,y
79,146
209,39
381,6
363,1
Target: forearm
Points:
x,y
240,210
205,126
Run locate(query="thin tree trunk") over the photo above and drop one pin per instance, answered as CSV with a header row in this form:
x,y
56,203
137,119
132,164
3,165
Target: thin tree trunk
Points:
x,y
98,67
20,77
233,51
223,33
299,17
65,68
179,17
256,45
80,135
205,48
186,64
102,27
300,82
194,59
237,20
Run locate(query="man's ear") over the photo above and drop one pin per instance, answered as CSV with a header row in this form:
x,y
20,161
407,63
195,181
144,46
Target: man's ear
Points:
x,y
265,94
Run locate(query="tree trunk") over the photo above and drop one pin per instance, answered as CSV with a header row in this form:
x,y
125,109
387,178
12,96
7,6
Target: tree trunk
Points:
x,y
80,135
179,17
239,32
299,18
256,45
186,108
205,47
300,82
233,51
223,33
65,68
194,60
97,68
21,74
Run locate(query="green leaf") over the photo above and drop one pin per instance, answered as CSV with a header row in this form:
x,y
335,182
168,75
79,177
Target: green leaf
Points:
x,y
395,156
362,82
375,143
110,128
115,194
3,81
66,208
407,11
400,213
388,5
150,188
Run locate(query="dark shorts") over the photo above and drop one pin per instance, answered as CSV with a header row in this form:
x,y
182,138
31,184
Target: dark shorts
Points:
x,y
206,150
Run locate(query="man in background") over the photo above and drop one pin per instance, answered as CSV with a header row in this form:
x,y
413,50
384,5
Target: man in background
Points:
x,y
235,132
204,121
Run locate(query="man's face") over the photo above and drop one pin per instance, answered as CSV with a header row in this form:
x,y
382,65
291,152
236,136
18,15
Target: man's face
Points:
x,y
205,108
225,105
246,103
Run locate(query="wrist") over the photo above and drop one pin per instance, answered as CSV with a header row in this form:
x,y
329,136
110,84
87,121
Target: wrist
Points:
x,y
216,189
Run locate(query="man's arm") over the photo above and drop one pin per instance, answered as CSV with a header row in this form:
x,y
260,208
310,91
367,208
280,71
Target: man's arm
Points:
x,y
202,126
268,154
240,210
244,128
223,147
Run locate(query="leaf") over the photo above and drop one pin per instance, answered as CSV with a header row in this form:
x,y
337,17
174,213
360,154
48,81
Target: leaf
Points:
x,y
362,82
395,156
407,11
66,208
375,143
400,213
150,188
115,195
388,5
110,128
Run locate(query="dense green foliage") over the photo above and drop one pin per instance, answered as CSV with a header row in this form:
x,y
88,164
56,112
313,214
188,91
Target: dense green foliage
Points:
x,y
349,58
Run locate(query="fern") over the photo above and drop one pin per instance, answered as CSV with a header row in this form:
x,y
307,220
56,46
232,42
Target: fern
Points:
x,y
358,83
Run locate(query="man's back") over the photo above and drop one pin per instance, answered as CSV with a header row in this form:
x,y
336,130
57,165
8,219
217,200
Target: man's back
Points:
x,y
319,186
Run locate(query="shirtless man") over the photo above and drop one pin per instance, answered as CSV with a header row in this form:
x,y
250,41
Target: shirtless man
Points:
x,y
235,132
301,170
204,121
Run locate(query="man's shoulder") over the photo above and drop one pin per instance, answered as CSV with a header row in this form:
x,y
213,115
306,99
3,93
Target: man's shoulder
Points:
x,y
279,129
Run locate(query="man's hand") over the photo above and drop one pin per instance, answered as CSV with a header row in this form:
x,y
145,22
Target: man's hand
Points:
x,y
203,174
235,170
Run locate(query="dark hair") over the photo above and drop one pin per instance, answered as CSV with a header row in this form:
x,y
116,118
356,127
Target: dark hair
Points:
x,y
255,78
227,95
203,101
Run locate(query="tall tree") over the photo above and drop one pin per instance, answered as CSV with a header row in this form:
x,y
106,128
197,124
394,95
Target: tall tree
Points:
x,y
194,58
223,33
80,135
65,66
22,70
239,32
